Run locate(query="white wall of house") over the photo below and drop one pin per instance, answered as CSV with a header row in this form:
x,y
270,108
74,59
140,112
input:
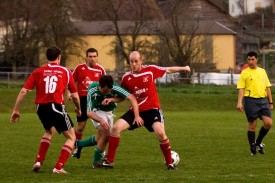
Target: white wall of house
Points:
x,y
248,6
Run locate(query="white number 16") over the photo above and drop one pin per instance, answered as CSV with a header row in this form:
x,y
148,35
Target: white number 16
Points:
x,y
50,84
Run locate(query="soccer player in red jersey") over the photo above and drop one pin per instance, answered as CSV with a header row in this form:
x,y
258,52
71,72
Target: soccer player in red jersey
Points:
x,y
140,81
85,74
51,82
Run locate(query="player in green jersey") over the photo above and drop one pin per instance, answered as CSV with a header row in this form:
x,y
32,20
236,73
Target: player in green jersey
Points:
x,y
102,97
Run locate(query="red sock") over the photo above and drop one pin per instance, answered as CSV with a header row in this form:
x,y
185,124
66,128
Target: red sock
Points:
x,y
43,148
63,157
78,135
113,144
166,150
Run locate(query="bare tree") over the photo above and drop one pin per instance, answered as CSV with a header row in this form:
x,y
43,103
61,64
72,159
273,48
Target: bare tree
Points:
x,y
182,41
59,29
20,39
32,25
142,13
129,21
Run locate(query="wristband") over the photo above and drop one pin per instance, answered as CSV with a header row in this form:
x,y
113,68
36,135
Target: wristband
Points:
x,y
270,102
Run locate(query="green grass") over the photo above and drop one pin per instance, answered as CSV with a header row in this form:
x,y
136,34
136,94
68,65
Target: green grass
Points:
x,y
179,98
204,129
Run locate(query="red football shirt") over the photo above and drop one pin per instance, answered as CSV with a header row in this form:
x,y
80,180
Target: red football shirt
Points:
x,y
143,86
51,82
85,75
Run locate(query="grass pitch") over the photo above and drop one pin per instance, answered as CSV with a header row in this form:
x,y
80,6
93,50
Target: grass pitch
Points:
x,y
204,129
212,147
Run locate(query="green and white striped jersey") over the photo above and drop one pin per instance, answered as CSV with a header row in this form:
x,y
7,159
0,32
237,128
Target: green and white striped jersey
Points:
x,y
95,97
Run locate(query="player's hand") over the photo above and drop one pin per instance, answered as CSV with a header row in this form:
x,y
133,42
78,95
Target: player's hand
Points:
x,y
139,121
69,97
240,107
187,69
106,101
14,117
270,106
105,125
78,112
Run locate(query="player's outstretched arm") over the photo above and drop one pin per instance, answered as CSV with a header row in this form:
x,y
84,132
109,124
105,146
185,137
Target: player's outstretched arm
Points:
x,y
178,69
15,113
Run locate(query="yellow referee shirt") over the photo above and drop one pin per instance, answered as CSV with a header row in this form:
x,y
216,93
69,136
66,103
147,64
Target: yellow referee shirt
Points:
x,y
254,82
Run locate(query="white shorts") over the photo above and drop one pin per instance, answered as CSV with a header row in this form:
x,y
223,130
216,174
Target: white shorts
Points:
x,y
106,115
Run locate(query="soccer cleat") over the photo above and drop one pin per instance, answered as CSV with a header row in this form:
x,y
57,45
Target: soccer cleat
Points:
x,y
77,151
36,167
260,148
253,149
97,165
107,164
171,167
61,171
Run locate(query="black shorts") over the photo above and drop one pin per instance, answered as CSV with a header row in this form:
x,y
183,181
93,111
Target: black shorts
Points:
x,y
83,105
256,108
149,117
54,115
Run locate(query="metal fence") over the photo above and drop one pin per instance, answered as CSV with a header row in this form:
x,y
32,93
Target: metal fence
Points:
x,y
13,79
195,84
169,82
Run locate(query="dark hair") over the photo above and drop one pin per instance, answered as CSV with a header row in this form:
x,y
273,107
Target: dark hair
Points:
x,y
106,80
91,50
252,53
52,53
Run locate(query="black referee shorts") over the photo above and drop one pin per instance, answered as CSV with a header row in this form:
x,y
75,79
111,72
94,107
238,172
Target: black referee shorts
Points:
x,y
256,108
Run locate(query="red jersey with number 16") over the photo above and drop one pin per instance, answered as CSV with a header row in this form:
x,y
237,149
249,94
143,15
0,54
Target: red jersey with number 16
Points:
x,y
142,86
84,76
51,82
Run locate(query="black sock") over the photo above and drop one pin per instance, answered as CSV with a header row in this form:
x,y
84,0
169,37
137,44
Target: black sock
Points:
x,y
251,137
261,135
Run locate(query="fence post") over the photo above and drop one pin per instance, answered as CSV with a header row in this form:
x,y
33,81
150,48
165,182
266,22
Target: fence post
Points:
x,y
8,79
208,85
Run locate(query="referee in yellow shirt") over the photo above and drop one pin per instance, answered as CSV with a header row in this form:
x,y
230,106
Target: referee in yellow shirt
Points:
x,y
254,88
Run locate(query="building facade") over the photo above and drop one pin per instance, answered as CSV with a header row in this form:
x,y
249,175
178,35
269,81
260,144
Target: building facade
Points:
x,y
242,7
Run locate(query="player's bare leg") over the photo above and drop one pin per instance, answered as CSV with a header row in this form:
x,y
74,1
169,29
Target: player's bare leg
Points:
x,y
164,144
